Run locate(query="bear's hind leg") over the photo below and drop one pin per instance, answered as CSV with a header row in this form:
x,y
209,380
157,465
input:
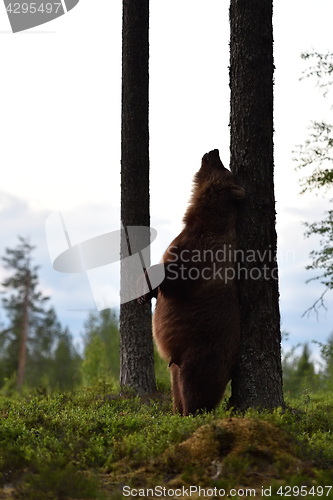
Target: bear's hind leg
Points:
x,y
201,389
176,390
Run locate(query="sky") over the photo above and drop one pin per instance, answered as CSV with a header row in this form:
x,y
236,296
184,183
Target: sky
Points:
x,y
60,97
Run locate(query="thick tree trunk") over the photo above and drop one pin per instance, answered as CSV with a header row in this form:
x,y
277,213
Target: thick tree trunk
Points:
x,y
257,381
136,344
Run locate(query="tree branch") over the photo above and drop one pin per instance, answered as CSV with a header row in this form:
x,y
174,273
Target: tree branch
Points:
x,y
314,307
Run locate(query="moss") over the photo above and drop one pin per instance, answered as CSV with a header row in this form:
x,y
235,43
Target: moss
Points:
x,y
88,444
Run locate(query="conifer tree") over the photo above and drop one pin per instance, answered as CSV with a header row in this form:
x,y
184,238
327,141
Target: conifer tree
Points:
x,y
24,306
33,345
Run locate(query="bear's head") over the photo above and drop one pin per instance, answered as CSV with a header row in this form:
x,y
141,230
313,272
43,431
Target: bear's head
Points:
x,y
214,192
212,171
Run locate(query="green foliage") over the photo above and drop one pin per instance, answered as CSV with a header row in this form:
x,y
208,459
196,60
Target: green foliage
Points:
x,y
326,351
22,303
323,69
88,445
63,481
90,432
323,258
101,348
101,352
299,373
317,151
162,373
51,359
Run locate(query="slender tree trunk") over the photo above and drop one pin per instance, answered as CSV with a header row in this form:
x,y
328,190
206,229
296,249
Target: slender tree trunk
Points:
x,y
23,346
257,381
136,344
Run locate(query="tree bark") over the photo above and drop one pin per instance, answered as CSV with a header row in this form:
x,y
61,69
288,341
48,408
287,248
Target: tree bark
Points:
x,y
257,381
136,344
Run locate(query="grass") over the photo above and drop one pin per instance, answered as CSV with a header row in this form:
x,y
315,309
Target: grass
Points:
x,y
90,444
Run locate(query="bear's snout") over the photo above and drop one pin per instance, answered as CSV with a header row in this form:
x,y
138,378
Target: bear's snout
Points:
x,y
213,159
212,155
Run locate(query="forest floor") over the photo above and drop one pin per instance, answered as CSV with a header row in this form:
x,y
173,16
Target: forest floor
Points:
x,y
101,444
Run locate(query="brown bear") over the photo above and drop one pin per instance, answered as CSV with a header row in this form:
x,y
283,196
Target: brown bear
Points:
x,y
196,321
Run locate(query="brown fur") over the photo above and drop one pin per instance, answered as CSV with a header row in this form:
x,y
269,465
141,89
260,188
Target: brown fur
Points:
x,y
196,321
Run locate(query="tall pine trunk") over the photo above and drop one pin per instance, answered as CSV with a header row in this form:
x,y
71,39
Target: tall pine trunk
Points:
x,y
257,381
136,344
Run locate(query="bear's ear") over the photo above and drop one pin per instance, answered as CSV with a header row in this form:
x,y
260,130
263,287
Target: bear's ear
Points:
x,y
237,192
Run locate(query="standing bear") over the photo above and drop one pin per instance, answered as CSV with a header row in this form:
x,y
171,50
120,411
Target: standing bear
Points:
x,y
196,322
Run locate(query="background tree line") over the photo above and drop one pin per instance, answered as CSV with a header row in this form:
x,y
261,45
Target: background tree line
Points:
x,y
53,362
37,351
